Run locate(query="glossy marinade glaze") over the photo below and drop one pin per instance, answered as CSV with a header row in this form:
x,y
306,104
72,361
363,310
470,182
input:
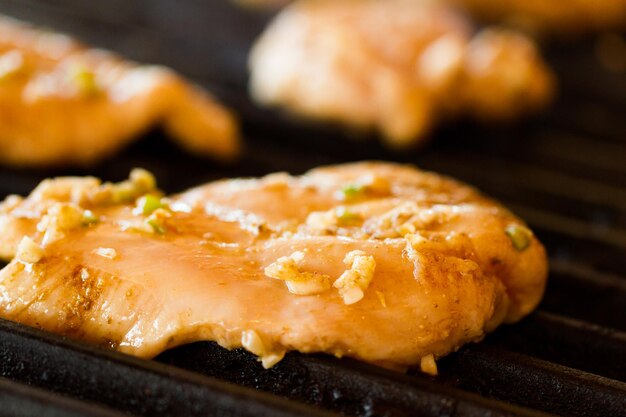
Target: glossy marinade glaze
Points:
x,y
377,261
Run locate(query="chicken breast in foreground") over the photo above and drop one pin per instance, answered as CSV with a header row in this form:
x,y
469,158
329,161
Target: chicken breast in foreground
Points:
x,y
397,66
376,261
62,103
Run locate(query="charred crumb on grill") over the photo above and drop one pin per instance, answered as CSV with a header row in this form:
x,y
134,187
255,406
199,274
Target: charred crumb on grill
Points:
x,y
110,343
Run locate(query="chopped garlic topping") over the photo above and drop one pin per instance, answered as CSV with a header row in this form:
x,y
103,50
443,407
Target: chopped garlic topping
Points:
x,y
321,220
327,221
428,365
11,63
157,220
139,183
155,223
28,251
61,218
354,281
363,187
108,253
252,342
10,202
287,268
409,217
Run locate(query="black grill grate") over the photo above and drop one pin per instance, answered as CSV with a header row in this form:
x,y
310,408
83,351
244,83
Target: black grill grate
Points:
x,y
564,172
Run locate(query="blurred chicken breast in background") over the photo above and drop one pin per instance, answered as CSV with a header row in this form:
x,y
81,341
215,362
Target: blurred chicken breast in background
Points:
x,y
63,103
535,16
549,17
398,66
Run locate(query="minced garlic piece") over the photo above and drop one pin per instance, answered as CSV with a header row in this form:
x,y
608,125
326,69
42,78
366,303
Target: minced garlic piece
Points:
x,y
153,224
252,342
346,218
409,217
157,220
406,228
10,202
354,281
108,253
61,218
321,220
364,186
28,251
415,239
287,268
11,63
139,183
326,221
142,179
428,365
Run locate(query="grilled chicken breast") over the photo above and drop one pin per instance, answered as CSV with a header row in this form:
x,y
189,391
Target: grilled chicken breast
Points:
x,y
63,103
376,261
394,65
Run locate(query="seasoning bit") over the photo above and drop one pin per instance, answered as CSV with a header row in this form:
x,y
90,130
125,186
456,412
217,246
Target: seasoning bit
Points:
x,y
149,203
89,218
142,179
139,183
28,251
428,365
355,280
346,217
287,268
11,63
351,191
366,185
108,253
85,80
520,236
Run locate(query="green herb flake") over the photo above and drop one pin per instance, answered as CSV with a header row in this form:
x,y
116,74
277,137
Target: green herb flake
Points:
x,y
150,203
89,218
346,217
85,81
520,236
157,226
352,191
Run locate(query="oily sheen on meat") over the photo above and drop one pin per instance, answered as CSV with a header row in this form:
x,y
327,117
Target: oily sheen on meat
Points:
x,y
376,261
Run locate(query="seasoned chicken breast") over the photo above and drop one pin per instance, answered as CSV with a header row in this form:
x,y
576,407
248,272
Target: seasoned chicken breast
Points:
x,y
63,103
376,261
398,66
